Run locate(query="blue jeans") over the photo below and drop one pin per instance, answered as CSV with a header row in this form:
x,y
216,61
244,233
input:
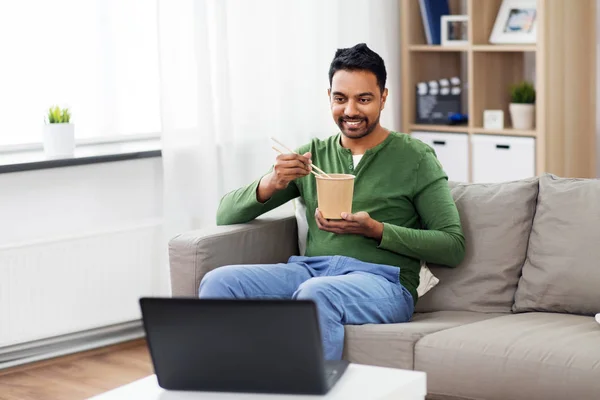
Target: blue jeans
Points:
x,y
347,291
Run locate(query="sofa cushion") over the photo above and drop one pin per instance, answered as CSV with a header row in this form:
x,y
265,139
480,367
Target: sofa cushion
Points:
x,y
496,220
521,356
562,270
392,345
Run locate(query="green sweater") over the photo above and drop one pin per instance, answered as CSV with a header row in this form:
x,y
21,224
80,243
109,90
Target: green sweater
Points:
x,y
399,182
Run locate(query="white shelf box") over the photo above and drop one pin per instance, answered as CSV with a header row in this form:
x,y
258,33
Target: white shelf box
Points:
x,y
452,150
502,158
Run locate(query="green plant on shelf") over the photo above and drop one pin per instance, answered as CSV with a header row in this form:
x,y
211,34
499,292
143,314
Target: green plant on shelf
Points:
x,y
56,115
522,93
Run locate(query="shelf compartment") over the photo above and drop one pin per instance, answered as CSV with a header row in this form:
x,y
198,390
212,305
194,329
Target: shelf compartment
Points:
x,y
493,74
483,16
427,66
415,32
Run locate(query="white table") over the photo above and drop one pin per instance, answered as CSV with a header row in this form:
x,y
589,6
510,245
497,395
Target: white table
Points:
x,y
359,382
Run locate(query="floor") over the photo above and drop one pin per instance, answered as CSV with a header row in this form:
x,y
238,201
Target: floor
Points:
x,y
77,376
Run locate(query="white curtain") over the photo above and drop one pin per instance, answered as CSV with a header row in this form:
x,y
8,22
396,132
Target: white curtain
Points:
x,y
236,72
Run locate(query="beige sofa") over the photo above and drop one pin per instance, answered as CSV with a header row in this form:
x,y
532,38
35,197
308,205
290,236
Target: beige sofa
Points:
x,y
513,321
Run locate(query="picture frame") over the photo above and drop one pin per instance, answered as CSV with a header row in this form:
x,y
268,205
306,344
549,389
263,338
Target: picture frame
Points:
x,y
516,23
454,30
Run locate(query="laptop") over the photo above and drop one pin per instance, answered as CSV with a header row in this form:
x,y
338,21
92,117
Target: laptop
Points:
x,y
252,346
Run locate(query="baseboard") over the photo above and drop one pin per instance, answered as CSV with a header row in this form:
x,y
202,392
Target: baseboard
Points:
x,y
25,353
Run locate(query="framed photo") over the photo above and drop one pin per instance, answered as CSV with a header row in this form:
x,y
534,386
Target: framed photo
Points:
x,y
454,30
516,23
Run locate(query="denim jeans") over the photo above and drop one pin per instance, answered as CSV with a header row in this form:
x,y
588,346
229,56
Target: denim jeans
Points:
x,y
346,291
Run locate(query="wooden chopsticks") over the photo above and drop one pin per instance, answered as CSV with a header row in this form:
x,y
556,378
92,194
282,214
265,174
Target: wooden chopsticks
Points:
x,y
293,152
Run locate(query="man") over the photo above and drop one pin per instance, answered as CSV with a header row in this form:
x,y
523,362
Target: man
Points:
x,y
363,268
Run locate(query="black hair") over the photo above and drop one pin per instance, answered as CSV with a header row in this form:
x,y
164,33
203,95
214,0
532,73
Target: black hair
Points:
x,y
359,58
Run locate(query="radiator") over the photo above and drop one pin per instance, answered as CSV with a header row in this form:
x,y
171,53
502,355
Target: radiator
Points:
x,y
55,287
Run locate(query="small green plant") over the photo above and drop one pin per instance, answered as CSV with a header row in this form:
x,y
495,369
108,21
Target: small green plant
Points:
x,y
523,93
58,116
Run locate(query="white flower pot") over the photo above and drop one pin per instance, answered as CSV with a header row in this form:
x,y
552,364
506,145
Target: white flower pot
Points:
x,y
522,115
59,140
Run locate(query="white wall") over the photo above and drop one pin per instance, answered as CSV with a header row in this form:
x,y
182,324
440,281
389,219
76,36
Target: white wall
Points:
x,y
78,246
597,89
74,200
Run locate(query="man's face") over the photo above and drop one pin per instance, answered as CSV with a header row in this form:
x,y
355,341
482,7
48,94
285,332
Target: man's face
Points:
x,y
356,102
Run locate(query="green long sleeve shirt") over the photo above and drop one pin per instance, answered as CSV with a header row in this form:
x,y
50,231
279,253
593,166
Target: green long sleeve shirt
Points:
x,y
399,182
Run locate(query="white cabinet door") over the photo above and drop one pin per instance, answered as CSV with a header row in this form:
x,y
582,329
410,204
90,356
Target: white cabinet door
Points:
x,y
502,158
452,150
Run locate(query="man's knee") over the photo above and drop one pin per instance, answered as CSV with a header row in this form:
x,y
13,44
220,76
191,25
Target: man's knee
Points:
x,y
315,289
219,282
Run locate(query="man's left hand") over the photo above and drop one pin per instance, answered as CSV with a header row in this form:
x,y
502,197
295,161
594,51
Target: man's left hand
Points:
x,y
359,223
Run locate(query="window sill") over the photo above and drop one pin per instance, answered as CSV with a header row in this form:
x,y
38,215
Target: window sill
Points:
x,y
84,154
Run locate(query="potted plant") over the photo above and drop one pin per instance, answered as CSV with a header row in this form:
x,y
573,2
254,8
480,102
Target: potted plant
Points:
x,y
522,105
59,133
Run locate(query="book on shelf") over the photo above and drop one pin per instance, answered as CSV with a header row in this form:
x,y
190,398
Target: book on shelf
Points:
x,y
431,13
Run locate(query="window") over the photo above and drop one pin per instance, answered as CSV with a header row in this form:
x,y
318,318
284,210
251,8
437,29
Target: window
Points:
x,y
98,57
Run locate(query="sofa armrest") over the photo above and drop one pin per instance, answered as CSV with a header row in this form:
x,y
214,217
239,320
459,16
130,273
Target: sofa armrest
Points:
x,y
266,240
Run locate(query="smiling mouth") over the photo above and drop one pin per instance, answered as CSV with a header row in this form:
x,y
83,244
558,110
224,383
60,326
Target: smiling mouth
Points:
x,y
353,124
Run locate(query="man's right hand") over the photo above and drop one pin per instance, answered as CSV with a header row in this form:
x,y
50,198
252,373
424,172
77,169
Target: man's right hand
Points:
x,y
287,168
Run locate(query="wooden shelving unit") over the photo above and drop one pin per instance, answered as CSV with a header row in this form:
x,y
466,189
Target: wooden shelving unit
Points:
x,y
564,67
437,128
435,48
505,132
504,47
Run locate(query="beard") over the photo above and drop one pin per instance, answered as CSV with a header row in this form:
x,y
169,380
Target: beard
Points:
x,y
364,128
